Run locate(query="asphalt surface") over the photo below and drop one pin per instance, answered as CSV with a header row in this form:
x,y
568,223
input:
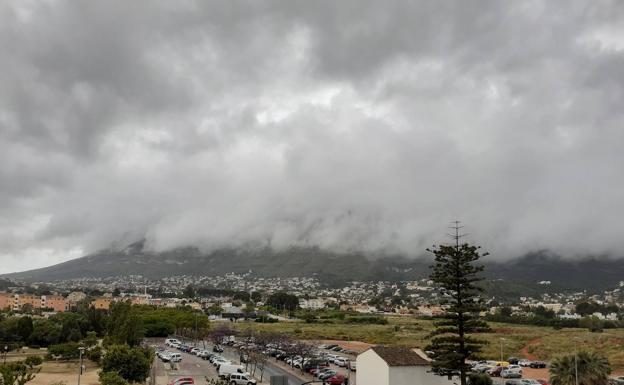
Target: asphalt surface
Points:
x,y
199,369
271,368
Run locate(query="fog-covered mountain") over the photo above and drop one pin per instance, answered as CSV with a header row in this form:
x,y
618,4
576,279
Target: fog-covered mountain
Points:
x,y
590,274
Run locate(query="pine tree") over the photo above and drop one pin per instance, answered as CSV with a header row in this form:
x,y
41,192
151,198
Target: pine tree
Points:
x,y
456,275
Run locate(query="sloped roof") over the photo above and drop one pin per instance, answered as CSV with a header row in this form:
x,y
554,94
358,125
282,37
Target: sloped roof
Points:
x,y
399,356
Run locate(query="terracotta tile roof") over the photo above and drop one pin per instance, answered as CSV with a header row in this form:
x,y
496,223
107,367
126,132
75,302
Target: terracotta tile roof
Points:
x,y
399,356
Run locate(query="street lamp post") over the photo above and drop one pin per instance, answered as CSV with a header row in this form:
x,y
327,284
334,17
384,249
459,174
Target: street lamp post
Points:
x,y
575,360
81,349
501,348
6,351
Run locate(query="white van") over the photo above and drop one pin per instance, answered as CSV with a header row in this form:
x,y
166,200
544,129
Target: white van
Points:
x,y
241,379
226,370
175,357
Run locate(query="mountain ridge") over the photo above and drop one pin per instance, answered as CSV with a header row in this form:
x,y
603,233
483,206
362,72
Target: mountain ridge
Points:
x,y
592,273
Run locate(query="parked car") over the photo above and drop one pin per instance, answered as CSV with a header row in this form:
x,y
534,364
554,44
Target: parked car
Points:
x,y
337,379
513,360
182,381
495,371
616,380
543,381
241,379
538,364
171,341
530,381
220,361
194,351
514,382
524,363
175,357
225,370
325,375
217,349
314,364
481,368
352,366
513,371
341,361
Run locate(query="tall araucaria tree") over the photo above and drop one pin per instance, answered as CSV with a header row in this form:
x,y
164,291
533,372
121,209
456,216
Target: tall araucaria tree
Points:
x,y
456,275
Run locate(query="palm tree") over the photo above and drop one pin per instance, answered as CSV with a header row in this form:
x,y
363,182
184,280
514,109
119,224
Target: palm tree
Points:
x,y
593,369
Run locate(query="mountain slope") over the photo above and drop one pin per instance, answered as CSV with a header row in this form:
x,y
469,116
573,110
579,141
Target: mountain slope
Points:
x,y
592,274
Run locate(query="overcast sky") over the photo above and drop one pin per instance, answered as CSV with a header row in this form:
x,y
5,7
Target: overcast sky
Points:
x,y
351,124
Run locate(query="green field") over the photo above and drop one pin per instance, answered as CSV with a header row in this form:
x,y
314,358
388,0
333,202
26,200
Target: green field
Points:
x,y
534,342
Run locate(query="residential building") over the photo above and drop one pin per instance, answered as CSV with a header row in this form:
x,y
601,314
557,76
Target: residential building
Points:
x,y
6,301
54,302
102,303
313,303
27,299
74,297
385,365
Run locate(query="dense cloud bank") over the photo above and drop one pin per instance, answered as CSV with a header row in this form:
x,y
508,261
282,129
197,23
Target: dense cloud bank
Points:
x,y
361,125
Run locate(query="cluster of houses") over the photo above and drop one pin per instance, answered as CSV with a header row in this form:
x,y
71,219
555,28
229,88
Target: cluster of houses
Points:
x,y
17,302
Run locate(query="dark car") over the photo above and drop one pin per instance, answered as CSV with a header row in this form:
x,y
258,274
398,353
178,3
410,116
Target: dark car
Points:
x,y
496,372
537,364
514,382
513,360
217,349
313,364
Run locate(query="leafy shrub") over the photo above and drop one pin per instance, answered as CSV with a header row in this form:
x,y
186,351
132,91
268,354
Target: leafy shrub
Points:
x,y
66,351
479,379
367,320
266,320
133,364
33,360
94,354
111,378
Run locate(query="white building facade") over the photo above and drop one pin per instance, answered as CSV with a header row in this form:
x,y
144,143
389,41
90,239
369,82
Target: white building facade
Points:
x,y
383,365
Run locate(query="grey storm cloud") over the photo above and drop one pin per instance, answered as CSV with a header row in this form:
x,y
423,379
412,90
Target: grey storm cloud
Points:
x,y
351,125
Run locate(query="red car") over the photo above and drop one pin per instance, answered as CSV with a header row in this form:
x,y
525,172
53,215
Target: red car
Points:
x,y
338,379
183,381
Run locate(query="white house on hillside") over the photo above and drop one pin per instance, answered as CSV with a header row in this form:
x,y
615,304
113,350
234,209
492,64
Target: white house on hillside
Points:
x,y
384,365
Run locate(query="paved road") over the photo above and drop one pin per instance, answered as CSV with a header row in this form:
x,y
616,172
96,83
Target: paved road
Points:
x,y
271,368
191,366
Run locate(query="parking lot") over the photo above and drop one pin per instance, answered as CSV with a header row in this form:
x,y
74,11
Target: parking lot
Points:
x,y
190,366
202,370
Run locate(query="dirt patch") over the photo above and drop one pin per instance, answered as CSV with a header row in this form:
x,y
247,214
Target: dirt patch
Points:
x,y
525,350
65,372
535,373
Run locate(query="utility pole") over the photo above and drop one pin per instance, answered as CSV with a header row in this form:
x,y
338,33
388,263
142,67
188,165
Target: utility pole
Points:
x,y
575,361
501,348
196,330
81,349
